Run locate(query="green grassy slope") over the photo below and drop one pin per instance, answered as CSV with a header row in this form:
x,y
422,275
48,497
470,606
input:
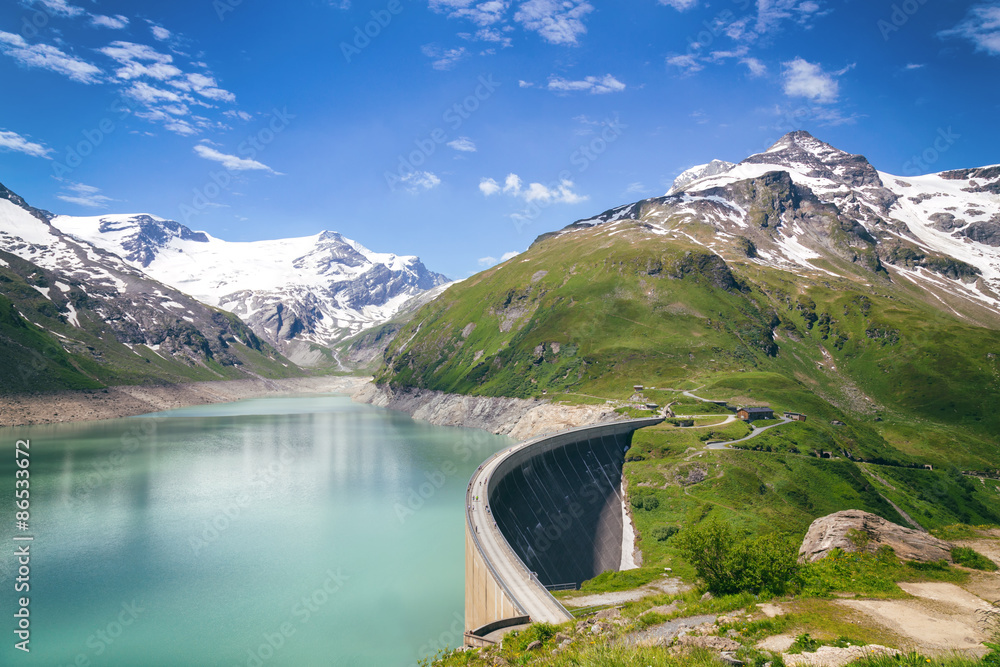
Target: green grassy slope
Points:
x,y
581,317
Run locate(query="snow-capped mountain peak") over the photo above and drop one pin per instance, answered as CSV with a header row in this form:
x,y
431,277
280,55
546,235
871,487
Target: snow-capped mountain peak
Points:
x,y
806,206
293,292
712,168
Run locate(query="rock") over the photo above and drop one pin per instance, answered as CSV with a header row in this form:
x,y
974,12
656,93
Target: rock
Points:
x,y
833,531
831,656
707,596
730,658
533,646
608,613
515,417
776,643
561,637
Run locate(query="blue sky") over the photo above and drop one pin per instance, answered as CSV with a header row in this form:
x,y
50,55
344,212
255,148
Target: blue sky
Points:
x,y
459,130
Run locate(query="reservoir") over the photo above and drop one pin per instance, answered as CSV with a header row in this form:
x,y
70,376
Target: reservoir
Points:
x,y
282,531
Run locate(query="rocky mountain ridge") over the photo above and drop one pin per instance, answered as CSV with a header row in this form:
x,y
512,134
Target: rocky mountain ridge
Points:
x,y
81,313
806,206
301,295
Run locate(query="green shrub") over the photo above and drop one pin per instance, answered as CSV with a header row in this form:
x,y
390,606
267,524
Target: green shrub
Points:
x,y
646,502
972,558
762,564
663,533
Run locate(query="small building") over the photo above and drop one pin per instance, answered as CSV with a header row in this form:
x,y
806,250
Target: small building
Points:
x,y
751,414
637,387
795,416
652,406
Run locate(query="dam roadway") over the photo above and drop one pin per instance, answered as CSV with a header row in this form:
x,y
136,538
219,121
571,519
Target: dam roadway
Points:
x,y
546,511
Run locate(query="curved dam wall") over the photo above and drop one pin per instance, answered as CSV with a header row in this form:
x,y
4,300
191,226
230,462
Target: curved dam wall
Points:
x,y
548,514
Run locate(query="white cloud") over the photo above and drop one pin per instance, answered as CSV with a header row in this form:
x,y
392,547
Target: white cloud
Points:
x,y
240,115
489,187
150,95
756,67
84,195
444,59
158,71
44,56
12,141
420,181
490,261
558,194
481,13
159,32
555,193
181,127
981,26
591,84
463,145
557,21
146,68
679,5
231,162
116,22
771,13
207,86
808,80
60,7
913,66
128,52
687,63
636,189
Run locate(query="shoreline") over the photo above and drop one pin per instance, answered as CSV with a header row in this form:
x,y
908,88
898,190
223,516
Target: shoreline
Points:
x,y
518,418
133,400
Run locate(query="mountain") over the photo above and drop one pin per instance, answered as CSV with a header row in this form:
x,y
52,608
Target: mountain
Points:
x,y
700,171
801,277
73,315
301,295
806,206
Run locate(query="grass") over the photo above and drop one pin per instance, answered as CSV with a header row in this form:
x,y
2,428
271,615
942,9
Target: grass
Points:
x,y
870,575
972,559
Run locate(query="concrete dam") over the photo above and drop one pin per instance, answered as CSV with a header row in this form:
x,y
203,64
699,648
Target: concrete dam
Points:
x,y
546,513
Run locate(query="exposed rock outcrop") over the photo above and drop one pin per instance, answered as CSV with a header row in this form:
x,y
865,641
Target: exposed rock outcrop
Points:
x,y
855,530
515,417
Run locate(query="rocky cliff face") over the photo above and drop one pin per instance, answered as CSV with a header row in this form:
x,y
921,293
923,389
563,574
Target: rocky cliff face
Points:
x,y
520,419
854,531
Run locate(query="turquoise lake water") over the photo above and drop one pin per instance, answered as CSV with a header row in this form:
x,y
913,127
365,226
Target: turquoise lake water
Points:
x,y
285,531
